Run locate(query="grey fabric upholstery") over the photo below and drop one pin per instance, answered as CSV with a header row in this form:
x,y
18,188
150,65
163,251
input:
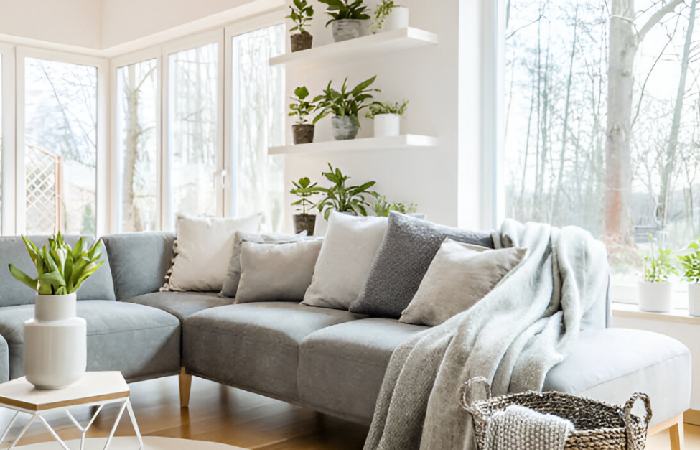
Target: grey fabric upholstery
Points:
x,y
98,287
181,304
139,341
139,261
254,346
4,361
612,364
341,368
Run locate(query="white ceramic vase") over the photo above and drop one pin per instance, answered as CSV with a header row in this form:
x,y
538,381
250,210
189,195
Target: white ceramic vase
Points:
x,y
55,343
398,18
386,125
694,299
655,297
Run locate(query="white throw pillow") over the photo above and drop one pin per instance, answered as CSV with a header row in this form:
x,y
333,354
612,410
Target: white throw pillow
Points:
x,y
276,272
346,257
203,249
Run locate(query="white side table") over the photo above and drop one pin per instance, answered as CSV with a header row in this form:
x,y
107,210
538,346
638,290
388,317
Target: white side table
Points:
x,y
94,389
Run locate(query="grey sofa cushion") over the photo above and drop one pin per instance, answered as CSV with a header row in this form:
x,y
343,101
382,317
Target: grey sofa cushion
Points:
x,y
612,364
139,341
4,360
139,261
98,287
181,304
254,346
341,368
402,260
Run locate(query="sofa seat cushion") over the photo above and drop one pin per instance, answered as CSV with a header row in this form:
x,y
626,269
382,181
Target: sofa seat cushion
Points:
x,y
341,368
181,304
254,346
4,361
139,341
611,364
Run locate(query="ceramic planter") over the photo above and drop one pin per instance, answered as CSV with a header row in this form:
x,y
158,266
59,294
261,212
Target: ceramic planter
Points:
x,y
301,41
55,343
398,18
345,127
346,29
694,299
304,222
303,133
387,125
655,297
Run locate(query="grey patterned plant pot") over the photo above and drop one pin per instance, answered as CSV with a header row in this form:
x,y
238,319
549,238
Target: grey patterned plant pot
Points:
x,y
303,133
346,29
345,127
305,222
302,41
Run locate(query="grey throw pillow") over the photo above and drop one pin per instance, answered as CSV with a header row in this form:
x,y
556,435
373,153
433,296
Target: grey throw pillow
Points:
x,y
458,277
410,244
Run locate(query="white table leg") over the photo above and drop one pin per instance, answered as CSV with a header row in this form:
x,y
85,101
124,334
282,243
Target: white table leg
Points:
x,y
134,423
54,434
114,427
24,430
9,425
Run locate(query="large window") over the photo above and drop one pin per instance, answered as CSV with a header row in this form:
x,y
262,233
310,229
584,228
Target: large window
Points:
x,y
60,146
602,123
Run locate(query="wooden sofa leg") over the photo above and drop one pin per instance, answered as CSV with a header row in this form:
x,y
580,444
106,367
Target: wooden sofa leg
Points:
x,y
185,382
676,434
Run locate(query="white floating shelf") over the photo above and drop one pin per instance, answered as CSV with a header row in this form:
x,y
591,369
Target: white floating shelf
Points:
x,y
406,141
385,42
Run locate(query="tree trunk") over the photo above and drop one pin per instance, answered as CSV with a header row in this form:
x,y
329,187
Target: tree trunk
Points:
x,y
131,141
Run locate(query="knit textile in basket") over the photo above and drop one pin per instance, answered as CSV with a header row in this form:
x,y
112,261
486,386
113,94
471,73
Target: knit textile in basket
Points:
x,y
597,425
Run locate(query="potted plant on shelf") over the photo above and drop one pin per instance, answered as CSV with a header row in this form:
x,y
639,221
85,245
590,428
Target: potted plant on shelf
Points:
x,y
690,266
301,108
305,190
345,106
387,117
347,17
300,14
343,198
382,207
655,290
55,329
389,16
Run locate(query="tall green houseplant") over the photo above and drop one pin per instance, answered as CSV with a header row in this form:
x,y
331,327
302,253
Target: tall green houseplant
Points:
x,y
345,106
342,197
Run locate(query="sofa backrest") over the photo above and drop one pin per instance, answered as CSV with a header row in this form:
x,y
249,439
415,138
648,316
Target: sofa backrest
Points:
x,y
139,261
13,293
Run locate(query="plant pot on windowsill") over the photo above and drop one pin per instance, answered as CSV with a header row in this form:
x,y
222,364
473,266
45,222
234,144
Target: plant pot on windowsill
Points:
x,y
346,29
694,299
305,222
301,41
655,296
386,125
345,128
303,133
398,18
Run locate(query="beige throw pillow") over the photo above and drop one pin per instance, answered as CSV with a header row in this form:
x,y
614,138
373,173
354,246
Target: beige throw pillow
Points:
x,y
459,276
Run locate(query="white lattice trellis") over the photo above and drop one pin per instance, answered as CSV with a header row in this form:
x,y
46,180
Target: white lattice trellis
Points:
x,y
43,182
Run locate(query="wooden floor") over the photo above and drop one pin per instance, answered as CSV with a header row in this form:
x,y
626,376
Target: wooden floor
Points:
x,y
239,418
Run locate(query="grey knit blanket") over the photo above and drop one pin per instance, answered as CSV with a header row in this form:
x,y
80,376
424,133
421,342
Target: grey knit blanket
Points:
x,y
512,337
518,427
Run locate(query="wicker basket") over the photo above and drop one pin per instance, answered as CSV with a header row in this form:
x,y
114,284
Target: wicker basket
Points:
x,y
597,425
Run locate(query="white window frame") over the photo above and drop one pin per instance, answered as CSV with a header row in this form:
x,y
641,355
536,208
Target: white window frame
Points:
x,y
102,205
7,86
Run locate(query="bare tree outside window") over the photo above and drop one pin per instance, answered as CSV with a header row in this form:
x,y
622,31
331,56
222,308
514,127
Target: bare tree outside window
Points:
x,y
603,119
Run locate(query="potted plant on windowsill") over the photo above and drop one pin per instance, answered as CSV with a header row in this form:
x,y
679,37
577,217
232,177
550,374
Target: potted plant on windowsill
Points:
x,y
387,117
347,17
300,14
301,108
389,15
345,106
655,290
382,207
343,198
690,266
305,190
55,348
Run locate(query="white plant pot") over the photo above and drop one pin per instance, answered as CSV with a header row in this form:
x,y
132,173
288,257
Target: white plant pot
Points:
x,y
387,125
655,297
55,343
398,18
694,299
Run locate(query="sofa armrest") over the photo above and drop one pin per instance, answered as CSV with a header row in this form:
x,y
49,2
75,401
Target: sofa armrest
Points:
x,y
4,361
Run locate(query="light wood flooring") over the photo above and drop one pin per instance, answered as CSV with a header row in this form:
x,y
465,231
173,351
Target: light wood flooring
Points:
x,y
239,418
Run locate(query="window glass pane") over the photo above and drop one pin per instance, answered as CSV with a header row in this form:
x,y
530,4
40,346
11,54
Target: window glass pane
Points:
x,y
603,133
60,112
193,109
2,143
258,123
137,125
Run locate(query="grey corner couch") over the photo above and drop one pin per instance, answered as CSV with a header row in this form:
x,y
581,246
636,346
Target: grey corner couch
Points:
x,y
329,360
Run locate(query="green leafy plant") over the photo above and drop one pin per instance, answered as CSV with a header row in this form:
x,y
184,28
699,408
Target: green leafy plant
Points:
x,y
379,108
301,14
61,269
345,10
382,12
690,263
345,102
301,108
658,265
305,190
344,198
382,207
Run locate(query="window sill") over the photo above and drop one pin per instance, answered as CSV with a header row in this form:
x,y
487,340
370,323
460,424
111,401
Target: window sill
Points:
x,y
679,314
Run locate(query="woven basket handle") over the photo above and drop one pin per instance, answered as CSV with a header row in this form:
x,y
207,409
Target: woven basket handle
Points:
x,y
466,393
630,404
